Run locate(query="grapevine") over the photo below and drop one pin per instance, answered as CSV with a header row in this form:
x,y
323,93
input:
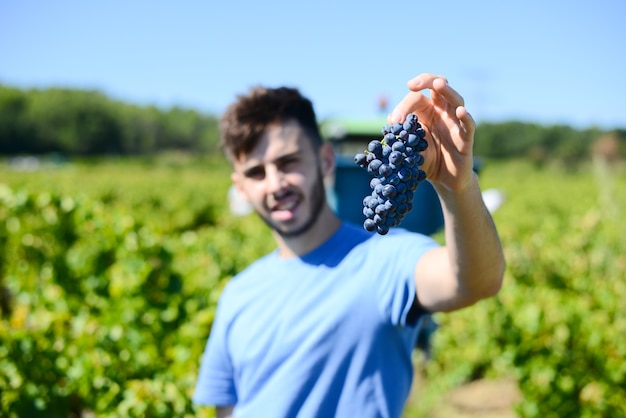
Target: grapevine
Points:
x,y
394,165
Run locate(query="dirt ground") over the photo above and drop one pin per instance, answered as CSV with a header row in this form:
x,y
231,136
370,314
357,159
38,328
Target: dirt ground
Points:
x,y
481,398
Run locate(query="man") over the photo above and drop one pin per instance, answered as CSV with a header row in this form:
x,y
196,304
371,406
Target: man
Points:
x,y
325,325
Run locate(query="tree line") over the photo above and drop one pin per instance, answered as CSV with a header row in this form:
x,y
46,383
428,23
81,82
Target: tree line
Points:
x,y
88,123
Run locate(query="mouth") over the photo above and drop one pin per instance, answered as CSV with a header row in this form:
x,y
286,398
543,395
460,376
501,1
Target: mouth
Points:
x,y
284,208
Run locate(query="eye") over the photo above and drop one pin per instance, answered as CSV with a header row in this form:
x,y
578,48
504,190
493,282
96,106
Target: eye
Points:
x,y
255,173
288,162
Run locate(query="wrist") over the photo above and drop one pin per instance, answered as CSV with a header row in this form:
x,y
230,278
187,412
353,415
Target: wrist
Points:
x,y
458,188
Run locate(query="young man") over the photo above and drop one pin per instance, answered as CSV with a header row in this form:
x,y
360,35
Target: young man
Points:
x,y
325,325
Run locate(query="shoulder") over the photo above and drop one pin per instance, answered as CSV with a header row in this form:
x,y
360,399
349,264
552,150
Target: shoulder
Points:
x,y
259,268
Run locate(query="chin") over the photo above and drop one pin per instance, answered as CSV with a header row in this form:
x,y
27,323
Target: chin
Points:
x,y
295,229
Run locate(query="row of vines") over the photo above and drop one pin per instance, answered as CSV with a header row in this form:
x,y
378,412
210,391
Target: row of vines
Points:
x,y
110,273
557,327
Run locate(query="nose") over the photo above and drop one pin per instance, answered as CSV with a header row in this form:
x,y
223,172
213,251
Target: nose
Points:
x,y
274,179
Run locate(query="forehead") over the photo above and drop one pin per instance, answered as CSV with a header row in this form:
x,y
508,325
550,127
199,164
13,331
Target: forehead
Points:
x,y
277,140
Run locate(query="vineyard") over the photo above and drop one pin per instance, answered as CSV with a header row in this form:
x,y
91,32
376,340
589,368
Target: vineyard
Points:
x,y
110,272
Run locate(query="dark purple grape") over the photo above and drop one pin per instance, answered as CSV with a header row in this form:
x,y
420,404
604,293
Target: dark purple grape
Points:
x,y
404,174
369,225
401,188
382,229
396,157
396,128
361,160
398,146
393,179
412,140
375,147
391,205
381,210
385,170
421,145
389,191
374,166
389,138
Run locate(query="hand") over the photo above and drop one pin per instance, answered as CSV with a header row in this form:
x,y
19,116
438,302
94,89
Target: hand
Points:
x,y
449,130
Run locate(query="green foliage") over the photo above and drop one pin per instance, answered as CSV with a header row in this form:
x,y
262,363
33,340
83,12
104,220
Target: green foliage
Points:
x,y
557,326
111,271
539,144
109,298
79,122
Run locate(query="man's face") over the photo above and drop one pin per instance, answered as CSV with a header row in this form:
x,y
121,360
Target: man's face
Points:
x,y
282,178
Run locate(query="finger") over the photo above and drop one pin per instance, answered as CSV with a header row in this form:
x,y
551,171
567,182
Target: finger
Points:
x,y
412,102
467,121
424,81
450,95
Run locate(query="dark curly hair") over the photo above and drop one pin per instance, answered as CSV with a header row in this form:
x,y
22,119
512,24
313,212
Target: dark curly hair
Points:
x,y
244,121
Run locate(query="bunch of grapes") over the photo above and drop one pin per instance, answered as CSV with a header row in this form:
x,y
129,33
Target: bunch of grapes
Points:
x,y
394,164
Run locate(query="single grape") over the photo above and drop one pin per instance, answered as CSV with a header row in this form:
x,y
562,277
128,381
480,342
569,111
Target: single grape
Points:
x,y
389,191
412,140
360,159
390,138
385,170
382,229
370,225
421,145
398,146
396,157
374,166
381,210
396,128
375,147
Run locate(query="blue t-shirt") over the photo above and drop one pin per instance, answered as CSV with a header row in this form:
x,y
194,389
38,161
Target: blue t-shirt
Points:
x,y
322,335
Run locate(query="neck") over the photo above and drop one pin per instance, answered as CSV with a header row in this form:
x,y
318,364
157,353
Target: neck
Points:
x,y
326,225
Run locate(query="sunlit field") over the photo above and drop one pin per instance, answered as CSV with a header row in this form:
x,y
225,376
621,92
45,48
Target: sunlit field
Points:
x,y
110,272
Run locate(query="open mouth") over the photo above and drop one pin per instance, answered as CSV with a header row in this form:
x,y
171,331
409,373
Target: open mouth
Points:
x,y
284,208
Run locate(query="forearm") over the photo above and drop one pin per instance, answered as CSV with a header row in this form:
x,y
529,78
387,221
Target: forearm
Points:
x,y
473,245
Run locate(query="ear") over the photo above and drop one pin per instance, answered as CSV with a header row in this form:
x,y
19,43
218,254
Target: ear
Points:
x,y
236,179
327,159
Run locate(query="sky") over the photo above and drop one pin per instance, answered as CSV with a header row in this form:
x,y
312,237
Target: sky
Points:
x,y
538,61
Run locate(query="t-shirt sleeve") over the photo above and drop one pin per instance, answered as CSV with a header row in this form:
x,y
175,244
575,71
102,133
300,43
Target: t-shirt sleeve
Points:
x,y
215,385
398,255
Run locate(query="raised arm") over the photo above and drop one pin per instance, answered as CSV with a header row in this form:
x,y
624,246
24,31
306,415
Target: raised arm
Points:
x,y
471,265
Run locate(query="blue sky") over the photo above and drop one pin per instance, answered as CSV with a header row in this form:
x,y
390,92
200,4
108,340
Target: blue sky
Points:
x,y
535,60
